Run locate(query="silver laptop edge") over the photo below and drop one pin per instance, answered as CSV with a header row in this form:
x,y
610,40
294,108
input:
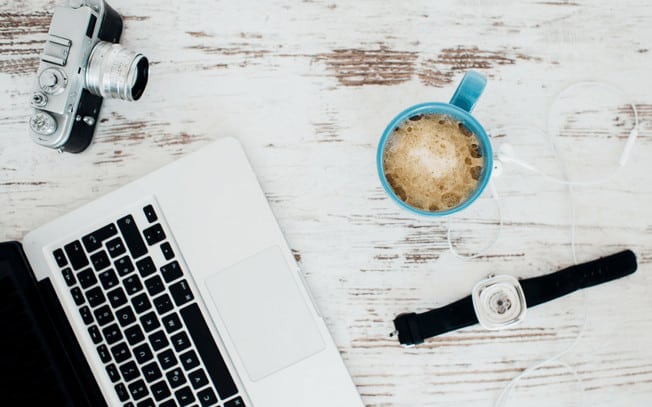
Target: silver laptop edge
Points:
x,y
218,217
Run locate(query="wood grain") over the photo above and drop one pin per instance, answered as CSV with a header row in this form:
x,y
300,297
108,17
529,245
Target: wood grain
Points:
x,y
308,88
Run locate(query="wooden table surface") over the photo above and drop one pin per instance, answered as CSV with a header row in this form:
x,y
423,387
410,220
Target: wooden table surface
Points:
x,y
307,87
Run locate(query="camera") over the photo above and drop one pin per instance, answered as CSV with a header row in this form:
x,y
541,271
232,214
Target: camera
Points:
x,y
81,64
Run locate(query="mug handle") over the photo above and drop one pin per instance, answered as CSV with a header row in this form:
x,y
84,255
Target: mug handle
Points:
x,y
469,91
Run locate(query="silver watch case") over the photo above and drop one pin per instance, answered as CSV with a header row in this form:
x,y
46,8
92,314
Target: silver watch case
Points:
x,y
499,302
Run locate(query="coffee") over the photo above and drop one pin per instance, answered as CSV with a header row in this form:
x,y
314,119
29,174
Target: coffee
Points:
x,y
432,162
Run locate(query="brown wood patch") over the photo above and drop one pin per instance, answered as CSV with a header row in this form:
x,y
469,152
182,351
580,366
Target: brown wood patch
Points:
x,y
440,71
20,54
199,34
358,67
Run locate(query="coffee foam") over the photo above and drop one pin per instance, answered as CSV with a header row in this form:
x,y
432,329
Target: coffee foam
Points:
x,y
432,162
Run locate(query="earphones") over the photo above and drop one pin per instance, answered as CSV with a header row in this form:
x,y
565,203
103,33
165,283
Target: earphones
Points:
x,y
506,154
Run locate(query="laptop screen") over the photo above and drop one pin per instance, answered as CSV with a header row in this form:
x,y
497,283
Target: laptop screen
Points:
x,y
32,379
37,363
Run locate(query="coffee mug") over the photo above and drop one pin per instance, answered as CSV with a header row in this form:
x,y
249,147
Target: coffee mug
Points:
x,y
459,108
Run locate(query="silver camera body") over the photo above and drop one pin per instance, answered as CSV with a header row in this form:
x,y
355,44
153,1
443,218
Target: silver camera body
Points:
x,y
81,64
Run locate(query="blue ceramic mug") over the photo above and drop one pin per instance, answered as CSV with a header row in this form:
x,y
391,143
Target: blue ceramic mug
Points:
x,y
459,108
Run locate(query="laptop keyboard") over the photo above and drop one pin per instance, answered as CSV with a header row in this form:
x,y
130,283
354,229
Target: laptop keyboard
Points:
x,y
133,295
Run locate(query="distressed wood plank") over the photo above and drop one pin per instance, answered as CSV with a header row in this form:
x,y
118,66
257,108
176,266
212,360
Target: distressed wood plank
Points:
x,y
308,88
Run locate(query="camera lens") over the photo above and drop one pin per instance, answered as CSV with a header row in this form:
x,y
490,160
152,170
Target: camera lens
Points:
x,y
115,72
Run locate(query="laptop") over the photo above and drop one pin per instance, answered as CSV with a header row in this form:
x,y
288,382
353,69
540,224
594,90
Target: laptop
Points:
x,y
177,289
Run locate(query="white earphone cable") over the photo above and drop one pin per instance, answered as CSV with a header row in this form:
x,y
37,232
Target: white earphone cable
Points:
x,y
505,155
486,248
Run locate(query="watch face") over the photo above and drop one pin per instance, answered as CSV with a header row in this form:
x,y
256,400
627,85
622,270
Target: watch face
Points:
x,y
499,302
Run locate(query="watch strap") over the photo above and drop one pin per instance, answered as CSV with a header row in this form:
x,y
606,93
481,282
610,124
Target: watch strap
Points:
x,y
413,328
541,289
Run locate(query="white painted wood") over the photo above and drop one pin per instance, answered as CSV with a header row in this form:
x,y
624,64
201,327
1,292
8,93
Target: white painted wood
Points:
x,y
308,88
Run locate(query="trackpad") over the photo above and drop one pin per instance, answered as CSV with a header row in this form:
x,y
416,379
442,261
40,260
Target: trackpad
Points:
x,y
266,316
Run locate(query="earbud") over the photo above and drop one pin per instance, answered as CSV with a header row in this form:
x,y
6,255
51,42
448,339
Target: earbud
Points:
x,y
628,147
506,154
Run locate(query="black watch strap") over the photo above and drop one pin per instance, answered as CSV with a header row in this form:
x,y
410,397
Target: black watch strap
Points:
x,y
413,328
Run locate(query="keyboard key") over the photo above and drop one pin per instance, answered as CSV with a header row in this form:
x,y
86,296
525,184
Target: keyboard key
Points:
x,y
198,379
108,279
160,390
146,266
112,334
121,390
167,251
112,371
104,315
76,255
172,323
181,292
236,402
168,403
124,266
86,278
132,284
167,359
117,297
208,351
158,340
86,315
146,403
95,297
150,214
163,304
134,334
149,321
120,352
68,276
129,371
184,396
138,389
143,353
180,341
115,247
176,377
189,360
151,372
94,332
207,397
141,303
60,258
154,285
131,234
130,404
154,234
77,295
171,271
103,351
125,316
94,240
100,260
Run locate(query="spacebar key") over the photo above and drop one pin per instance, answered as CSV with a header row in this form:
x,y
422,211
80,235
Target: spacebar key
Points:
x,y
208,351
132,236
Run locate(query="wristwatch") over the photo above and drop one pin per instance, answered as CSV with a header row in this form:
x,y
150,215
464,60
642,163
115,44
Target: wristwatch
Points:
x,y
498,302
